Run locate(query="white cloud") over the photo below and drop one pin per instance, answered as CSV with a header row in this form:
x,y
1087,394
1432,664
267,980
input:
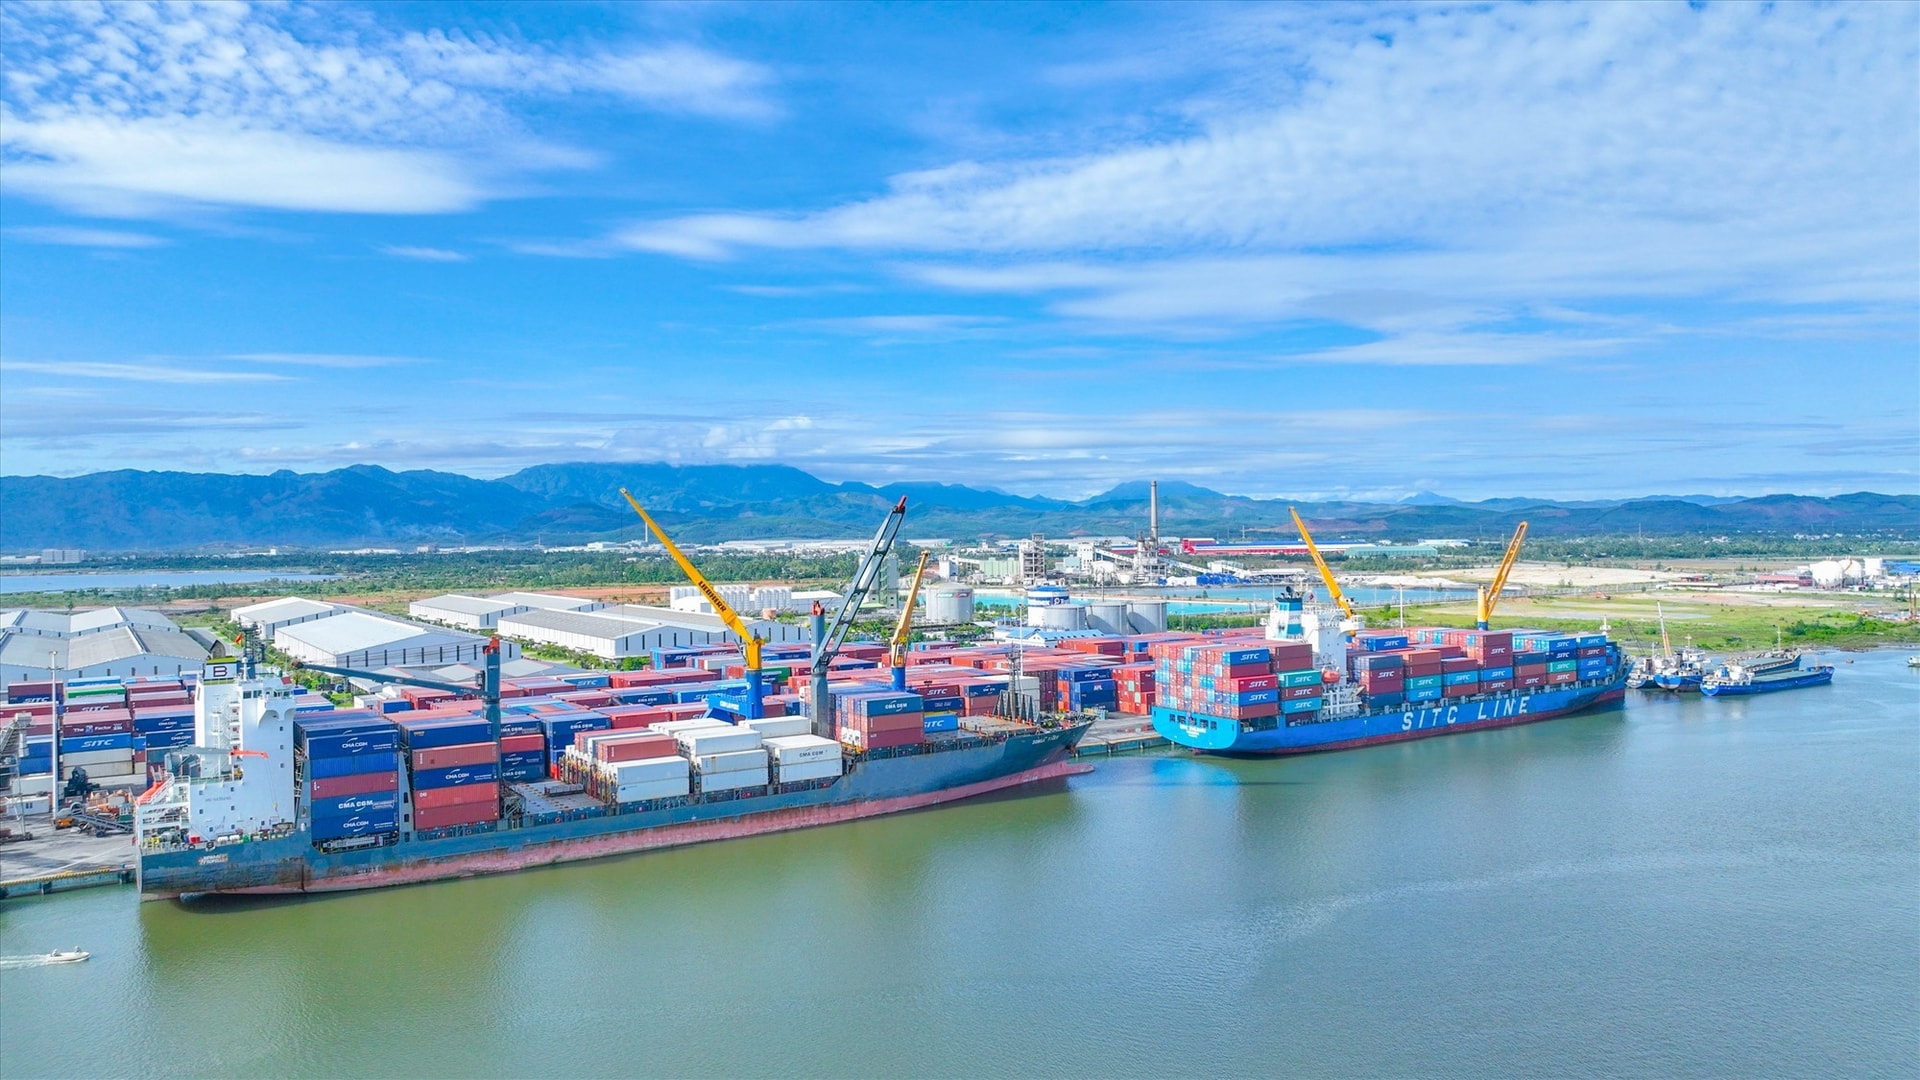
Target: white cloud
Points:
x,y
76,237
326,360
153,373
425,254
134,109
1550,152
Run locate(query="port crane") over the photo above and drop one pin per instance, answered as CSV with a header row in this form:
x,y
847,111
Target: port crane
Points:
x,y
750,640
1490,595
489,682
827,637
1320,564
897,647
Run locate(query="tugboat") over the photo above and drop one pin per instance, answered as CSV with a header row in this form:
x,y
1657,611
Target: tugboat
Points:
x,y
1763,675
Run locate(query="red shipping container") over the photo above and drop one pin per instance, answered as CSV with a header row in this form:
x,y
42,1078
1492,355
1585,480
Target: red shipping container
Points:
x,y
1555,678
1521,670
636,749
1296,693
463,795
1460,690
333,787
1491,685
1415,671
448,816
447,757
1528,682
881,739
517,744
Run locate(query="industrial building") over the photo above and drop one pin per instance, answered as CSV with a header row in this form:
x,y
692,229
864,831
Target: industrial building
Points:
x,y
267,617
623,630
471,612
93,644
548,601
361,639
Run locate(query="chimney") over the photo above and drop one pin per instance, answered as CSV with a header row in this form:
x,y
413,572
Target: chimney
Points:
x,y
1153,510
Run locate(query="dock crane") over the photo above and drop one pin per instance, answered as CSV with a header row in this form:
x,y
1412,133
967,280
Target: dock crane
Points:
x,y
1326,574
489,682
827,637
897,650
1490,595
750,642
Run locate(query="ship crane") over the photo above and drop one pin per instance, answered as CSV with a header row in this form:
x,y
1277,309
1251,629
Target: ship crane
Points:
x,y
1490,595
897,648
750,641
827,637
1326,573
489,682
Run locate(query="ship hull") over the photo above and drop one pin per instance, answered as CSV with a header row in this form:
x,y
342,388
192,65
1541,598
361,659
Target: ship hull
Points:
x,y
872,788
1819,676
1397,725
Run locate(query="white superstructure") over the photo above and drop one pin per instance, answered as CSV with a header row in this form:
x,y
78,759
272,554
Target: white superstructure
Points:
x,y
237,780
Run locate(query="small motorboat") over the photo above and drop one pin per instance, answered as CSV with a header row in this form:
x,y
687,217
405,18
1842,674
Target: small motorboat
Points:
x,y
1913,661
67,956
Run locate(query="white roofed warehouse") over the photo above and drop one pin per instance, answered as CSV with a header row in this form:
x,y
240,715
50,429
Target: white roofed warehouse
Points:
x,y
365,641
624,630
471,612
267,617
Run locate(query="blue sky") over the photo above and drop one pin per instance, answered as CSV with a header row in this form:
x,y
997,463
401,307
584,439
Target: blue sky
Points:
x,y
1287,250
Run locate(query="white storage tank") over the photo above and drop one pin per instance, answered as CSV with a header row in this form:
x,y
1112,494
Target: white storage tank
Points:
x,y
949,604
1058,617
1108,616
1147,616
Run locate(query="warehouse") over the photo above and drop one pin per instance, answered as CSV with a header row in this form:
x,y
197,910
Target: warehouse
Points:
x,y
117,651
471,612
34,623
549,601
625,630
363,640
267,617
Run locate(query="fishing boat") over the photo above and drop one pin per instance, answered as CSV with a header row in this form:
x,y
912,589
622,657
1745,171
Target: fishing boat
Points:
x,y
67,956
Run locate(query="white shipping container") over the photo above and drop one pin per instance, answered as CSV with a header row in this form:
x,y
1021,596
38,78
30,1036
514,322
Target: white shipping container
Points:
x,y
704,741
645,769
671,727
777,726
728,781
800,749
653,789
811,770
732,761
90,758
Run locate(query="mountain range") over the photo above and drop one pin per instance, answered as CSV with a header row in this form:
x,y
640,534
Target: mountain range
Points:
x,y
129,510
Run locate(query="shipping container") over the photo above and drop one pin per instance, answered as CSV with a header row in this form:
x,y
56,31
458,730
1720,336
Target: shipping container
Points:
x,y
459,775
430,818
387,761
670,788
447,757
648,769
811,770
462,795
333,787
700,742
732,761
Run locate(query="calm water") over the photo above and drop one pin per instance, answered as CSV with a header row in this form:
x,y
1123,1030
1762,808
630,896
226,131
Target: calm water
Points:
x,y
1688,888
144,579
1239,598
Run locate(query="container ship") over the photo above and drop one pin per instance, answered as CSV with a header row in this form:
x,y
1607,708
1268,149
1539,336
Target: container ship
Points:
x,y
279,794
1312,682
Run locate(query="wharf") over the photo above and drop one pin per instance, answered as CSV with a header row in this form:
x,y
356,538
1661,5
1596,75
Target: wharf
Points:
x,y
1119,733
61,861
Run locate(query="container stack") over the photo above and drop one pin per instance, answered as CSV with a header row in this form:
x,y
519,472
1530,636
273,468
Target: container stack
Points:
x,y
523,749
1089,688
1233,681
878,719
350,764
1133,688
798,758
725,758
628,766
454,769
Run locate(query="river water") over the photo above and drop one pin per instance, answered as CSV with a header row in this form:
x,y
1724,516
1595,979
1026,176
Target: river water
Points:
x,y
1684,888
146,579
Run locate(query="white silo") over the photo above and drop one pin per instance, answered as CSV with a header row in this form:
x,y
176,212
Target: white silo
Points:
x,y
1108,616
949,604
1147,616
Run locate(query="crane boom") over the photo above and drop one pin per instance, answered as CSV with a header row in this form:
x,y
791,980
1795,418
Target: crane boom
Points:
x,y
1490,595
827,637
750,642
897,651
1326,574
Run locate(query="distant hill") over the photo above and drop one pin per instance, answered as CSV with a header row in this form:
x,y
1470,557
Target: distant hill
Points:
x,y
128,510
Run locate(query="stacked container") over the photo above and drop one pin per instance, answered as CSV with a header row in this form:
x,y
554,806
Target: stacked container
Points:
x,y
350,763
454,767
1233,681
798,758
877,719
725,758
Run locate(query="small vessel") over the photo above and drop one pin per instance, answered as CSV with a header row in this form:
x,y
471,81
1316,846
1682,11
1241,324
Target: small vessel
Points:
x,y
1678,671
67,956
1763,674
1913,661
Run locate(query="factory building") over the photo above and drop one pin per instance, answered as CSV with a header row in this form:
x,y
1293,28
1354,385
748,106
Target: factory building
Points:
x,y
549,601
93,644
624,630
364,640
471,612
743,599
266,618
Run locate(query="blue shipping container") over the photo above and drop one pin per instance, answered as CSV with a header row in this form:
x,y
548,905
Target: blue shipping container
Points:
x,y
351,825
338,724
376,804
1425,693
943,721
1421,682
1460,678
1300,705
322,768
318,745
946,704
1492,673
431,736
169,739
86,743
1386,701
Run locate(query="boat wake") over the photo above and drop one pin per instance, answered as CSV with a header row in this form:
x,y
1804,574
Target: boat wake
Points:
x,y
10,963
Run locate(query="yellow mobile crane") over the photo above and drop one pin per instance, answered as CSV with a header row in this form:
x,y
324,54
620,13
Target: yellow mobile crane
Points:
x,y
1490,595
897,651
1320,564
750,642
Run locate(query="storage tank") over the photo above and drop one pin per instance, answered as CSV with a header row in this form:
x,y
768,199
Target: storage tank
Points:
x,y
1058,617
948,604
1147,616
1108,616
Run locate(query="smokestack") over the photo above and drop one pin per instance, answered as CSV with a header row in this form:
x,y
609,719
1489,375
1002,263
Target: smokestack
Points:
x,y
1153,509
